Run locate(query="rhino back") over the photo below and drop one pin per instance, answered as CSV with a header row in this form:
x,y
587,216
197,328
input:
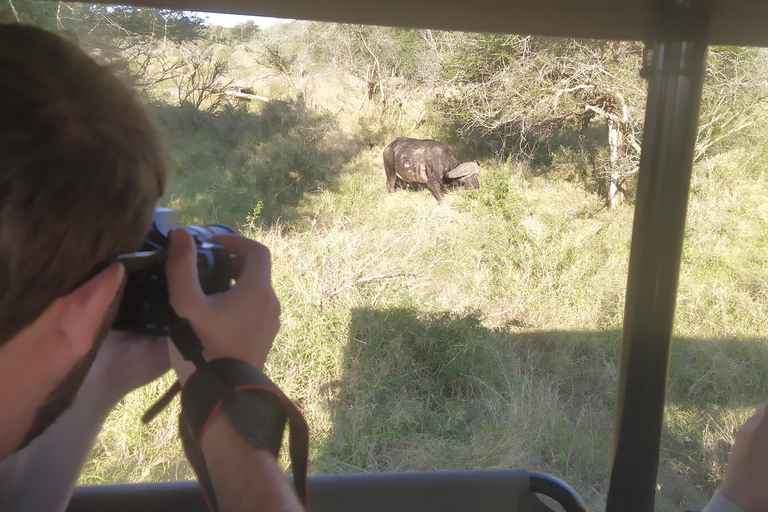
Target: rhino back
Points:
x,y
414,159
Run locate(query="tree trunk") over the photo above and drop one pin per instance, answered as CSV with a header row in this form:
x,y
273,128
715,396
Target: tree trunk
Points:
x,y
614,111
616,150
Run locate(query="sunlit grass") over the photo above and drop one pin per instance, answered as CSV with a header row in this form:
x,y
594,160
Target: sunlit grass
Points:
x,y
480,333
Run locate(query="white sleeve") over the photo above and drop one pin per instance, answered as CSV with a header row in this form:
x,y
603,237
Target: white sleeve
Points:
x,y
719,503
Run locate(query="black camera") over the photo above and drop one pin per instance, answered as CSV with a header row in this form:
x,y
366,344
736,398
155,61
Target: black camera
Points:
x,y
145,308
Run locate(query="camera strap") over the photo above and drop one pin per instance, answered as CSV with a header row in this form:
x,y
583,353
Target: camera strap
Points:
x,y
257,408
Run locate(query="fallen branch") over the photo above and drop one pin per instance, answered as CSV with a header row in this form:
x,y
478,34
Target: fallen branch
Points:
x,y
245,96
560,92
486,317
367,279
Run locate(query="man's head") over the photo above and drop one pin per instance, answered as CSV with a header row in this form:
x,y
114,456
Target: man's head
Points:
x,y
81,168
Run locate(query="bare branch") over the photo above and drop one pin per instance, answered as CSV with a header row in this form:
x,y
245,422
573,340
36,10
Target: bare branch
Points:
x,y
368,279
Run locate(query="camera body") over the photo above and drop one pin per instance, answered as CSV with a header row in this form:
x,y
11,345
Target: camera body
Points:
x,y
144,307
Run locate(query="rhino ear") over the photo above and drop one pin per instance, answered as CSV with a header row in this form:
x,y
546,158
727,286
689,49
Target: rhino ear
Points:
x,y
463,170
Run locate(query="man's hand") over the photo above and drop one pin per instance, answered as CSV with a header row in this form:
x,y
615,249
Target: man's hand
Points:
x,y
240,323
125,362
747,473
42,476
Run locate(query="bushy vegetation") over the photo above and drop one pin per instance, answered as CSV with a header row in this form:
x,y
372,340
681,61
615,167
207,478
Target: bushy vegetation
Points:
x,y
483,332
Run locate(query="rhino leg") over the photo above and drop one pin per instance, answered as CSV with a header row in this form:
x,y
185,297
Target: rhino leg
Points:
x,y
389,168
391,178
435,186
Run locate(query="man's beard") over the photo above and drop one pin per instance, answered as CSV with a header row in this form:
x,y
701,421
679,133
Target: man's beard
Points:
x,y
62,396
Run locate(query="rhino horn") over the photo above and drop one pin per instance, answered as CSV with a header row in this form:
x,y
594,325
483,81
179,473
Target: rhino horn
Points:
x,y
463,170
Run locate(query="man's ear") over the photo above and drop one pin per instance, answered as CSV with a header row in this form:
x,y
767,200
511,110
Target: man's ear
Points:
x,y
85,308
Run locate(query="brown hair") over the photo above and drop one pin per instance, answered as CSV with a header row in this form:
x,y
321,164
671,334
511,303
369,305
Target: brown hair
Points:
x,y
81,168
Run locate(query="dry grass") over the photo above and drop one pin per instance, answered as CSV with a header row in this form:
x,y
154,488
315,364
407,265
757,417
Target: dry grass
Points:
x,y
480,333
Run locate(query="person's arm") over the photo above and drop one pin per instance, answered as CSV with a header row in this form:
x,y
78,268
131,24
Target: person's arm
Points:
x,y
747,473
232,475
240,323
42,476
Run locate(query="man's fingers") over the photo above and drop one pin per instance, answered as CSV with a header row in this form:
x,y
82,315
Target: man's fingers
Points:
x,y
232,244
184,289
252,260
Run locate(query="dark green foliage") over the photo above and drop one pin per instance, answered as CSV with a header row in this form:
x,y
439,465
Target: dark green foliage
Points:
x,y
513,95
245,32
239,34
703,372
408,42
99,22
733,99
237,158
467,144
437,366
481,56
499,197
34,12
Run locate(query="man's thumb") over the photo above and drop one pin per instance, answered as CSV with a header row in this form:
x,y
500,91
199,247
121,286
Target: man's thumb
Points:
x,y
184,289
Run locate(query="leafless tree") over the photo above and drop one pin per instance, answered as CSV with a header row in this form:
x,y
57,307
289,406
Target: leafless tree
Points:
x,y
735,96
524,88
202,79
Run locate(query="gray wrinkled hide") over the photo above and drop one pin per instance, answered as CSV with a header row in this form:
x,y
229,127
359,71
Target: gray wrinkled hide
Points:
x,y
430,163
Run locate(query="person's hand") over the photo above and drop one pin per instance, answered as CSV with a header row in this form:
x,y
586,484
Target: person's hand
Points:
x,y
125,361
747,473
240,323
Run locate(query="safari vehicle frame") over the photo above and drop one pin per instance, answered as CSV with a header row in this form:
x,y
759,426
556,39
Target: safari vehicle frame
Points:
x,y
677,33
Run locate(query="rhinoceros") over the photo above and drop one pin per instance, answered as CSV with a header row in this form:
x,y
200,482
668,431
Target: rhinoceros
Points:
x,y
428,162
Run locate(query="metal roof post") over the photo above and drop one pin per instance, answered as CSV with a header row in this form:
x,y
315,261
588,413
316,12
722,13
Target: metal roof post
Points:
x,y
676,76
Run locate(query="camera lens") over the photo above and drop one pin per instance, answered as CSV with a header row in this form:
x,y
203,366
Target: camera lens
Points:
x,y
205,233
